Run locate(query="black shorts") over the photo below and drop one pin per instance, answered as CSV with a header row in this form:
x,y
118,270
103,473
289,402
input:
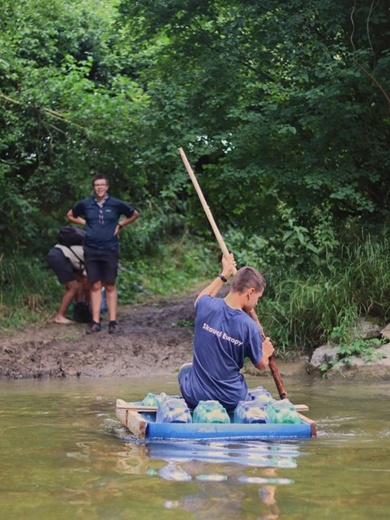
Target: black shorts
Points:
x,y
61,265
101,265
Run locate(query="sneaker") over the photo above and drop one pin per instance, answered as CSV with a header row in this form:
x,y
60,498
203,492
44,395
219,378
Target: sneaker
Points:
x,y
113,327
93,327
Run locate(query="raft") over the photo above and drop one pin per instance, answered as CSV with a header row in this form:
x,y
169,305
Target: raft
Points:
x,y
143,422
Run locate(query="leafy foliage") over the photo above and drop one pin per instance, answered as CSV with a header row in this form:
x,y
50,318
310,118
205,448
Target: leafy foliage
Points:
x,y
283,109
279,106
306,310
363,349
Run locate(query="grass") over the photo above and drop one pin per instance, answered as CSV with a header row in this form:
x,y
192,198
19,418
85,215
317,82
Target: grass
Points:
x,y
298,311
303,311
30,292
180,267
26,289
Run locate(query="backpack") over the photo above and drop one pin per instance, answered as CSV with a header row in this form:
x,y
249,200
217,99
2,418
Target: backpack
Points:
x,y
82,312
71,236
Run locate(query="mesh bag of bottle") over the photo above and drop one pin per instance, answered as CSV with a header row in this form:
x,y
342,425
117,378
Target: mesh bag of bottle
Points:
x,y
282,412
153,399
248,412
210,412
261,396
173,410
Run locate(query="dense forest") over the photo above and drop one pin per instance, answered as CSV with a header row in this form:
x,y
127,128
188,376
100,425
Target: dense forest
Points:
x,y
283,109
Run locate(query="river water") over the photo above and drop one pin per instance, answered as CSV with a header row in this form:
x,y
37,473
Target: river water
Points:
x,y
64,455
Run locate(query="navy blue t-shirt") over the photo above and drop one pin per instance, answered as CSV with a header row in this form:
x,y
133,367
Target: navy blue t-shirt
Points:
x,y
224,337
101,223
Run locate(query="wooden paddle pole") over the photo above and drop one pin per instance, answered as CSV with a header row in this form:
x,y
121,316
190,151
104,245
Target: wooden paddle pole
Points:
x,y
272,363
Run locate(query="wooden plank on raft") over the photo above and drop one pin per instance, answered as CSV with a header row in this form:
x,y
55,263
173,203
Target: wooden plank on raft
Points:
x,y
130,417
313,426
141,408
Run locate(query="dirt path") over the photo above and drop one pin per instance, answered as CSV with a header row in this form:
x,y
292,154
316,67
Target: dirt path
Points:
x,y
156,338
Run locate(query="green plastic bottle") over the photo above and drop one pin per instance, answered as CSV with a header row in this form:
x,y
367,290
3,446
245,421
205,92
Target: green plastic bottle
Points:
x,y
210,412
282,412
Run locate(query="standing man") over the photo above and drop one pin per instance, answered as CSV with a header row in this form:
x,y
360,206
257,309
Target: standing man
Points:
x,y
101,219
224,336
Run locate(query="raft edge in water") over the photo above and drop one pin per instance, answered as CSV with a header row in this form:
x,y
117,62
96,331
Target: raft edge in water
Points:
x,y
140,421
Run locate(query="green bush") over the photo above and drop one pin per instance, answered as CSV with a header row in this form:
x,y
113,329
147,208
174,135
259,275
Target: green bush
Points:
x,y
301,312
298,312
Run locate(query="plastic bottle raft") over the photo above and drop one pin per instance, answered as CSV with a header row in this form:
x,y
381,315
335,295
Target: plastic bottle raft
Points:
x,y
161,416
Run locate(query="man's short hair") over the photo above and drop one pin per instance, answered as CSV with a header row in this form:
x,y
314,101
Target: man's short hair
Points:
x,y
99,177
246,278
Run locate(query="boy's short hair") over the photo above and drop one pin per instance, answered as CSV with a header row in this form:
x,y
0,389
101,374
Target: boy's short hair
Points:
x,y
248,277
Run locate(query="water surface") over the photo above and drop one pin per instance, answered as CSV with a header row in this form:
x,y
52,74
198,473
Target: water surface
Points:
x,y
64,455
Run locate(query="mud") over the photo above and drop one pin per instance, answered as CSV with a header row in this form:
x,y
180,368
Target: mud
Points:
x,y
155,338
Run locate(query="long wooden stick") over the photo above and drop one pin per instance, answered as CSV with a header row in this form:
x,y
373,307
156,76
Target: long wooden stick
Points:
x,y
206,208
272,363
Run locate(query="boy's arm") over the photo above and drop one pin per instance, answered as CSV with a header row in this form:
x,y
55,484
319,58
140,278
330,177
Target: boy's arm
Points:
x,y
228,268
268,350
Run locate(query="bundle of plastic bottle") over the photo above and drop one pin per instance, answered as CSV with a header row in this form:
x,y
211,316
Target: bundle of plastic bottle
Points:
x,y
248,412
153,399
173,410
210,412
261,396
282,412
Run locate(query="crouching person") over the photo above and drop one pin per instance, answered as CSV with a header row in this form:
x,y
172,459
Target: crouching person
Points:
x,y
68,265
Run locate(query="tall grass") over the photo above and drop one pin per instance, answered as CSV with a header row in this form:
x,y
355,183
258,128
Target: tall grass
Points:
x,y
303,311
30,292
26,290
179,267
298,312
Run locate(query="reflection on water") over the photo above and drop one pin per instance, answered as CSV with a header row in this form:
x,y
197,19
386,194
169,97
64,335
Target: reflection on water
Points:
x,y
248,463
230,457
215,462
248,453
65,456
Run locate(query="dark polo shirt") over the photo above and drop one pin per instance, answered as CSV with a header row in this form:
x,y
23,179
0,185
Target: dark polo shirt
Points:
x,y
101,223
